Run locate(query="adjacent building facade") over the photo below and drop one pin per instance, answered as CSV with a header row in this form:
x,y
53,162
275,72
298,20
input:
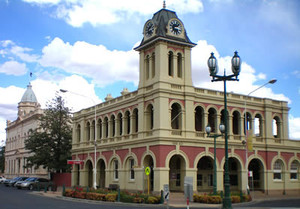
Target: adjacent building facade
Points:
x,y
162,124
29,110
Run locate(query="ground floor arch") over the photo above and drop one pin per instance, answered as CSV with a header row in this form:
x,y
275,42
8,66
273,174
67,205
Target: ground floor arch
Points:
x,y
256,180
148,162
205,172
101,173
89,172
235,175
177,166
76,171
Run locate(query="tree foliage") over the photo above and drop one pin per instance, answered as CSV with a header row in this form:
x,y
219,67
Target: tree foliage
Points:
x,y
51,142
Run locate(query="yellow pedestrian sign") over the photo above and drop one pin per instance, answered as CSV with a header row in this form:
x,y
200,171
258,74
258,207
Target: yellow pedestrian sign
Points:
x,y
147,170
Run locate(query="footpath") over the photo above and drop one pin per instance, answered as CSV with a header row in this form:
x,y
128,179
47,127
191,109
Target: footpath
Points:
x,y
178,200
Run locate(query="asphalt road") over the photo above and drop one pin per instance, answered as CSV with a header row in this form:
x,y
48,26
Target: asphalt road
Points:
x,y
12,198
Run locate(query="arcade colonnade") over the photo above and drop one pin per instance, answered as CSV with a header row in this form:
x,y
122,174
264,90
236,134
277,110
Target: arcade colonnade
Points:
x,y
170,164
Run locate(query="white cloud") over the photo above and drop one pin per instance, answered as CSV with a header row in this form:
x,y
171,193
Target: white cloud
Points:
x,y
93,61
13,68
77,12
294,127
14,52
22,53
247,78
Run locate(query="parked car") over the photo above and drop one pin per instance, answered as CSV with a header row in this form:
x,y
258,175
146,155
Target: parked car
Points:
x,y
35,183
2,179
11,182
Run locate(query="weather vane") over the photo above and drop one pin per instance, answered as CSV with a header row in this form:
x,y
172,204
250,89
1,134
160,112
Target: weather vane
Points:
x,y
164,4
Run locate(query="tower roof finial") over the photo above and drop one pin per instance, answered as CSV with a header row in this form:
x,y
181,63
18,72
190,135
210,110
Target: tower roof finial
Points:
x,y
164,5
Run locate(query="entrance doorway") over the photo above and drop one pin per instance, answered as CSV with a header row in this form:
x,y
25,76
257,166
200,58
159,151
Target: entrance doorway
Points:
x,y
256,182
176,173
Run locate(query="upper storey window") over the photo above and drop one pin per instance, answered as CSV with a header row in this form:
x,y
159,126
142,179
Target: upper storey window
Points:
x,y
179,65
170,63
176,116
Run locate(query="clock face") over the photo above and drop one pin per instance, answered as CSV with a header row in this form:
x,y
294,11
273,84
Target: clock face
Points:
x,y
149,29
175,27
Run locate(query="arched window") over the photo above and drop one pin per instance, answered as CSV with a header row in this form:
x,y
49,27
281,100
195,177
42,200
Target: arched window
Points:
x,y
276,127
176,116
277,170
78,133
179,65
170,63
106,127
149,116
88,131
153,65
127,122
212,119
135,120
222,119
113,126
120,124
116,169
258,124
147,63
131,168
236,123
93,130
247,122
199,118
294,170
99,128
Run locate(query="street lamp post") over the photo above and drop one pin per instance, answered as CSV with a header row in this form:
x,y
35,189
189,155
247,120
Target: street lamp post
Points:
x,y
213,69
95,140
215,136
246,128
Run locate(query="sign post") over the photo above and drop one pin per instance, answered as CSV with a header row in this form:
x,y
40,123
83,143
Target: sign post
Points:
x,y
147,172
166,194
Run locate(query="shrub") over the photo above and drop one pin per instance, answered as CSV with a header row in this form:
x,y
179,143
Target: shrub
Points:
x,y
235,199
214,199
138,200
153,200
95,196
111,197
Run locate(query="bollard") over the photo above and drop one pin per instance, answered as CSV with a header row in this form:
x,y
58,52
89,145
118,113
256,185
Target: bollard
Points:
x,y
46,188
161,197
63,190
241,196
119,195
187,203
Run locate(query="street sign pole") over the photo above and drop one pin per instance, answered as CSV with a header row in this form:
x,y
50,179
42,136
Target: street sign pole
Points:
x,y
147,172
167,194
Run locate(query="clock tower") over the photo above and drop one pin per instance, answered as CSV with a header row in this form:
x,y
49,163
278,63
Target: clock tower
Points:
x,y
165,53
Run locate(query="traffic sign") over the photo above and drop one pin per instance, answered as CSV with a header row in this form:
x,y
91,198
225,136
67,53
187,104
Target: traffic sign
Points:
x,y
147,170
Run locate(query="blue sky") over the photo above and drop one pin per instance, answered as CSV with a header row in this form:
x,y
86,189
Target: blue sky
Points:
x,y
86,46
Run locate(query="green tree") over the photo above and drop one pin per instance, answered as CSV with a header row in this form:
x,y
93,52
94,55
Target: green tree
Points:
x,y
50,143
2,159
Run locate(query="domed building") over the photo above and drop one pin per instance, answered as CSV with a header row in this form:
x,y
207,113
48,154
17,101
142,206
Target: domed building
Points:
x,y
160,127
29,110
